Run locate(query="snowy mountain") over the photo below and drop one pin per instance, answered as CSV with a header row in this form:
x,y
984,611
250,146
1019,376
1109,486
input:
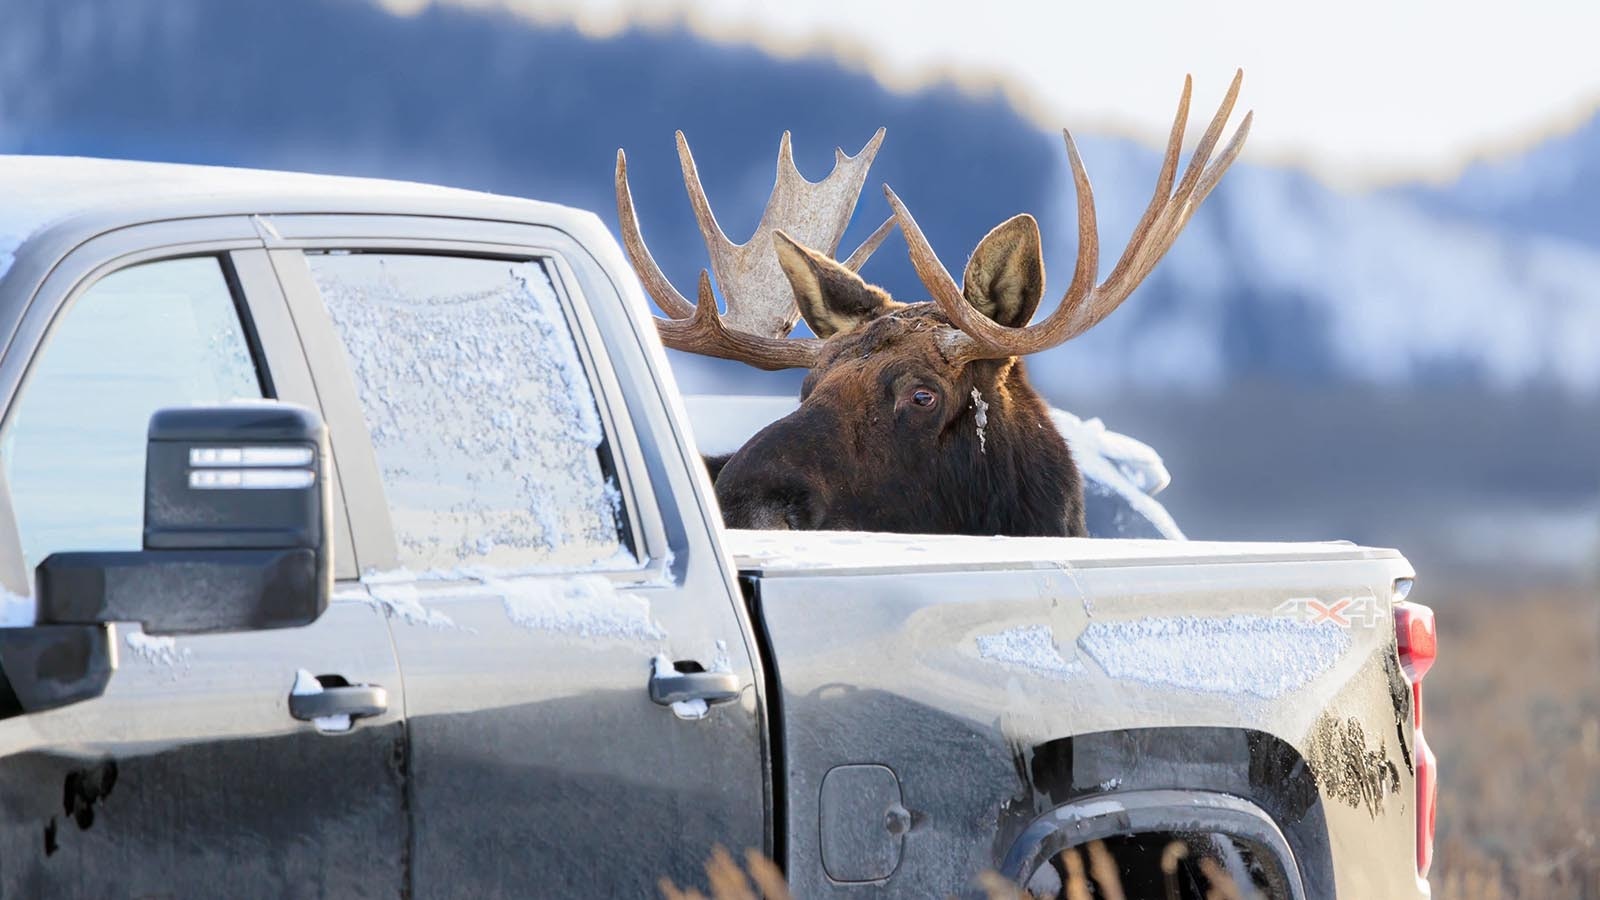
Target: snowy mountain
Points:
x,y
1551,188
1281,276
1490,283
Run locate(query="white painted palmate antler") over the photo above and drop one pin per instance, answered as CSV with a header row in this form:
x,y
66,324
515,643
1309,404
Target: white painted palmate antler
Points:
x,y
1086,304
761,310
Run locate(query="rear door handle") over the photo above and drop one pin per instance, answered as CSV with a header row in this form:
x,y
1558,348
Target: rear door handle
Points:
x,y
667,688
358,701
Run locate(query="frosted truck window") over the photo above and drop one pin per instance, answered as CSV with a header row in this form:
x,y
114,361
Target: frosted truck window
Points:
x,y
150,336
480,411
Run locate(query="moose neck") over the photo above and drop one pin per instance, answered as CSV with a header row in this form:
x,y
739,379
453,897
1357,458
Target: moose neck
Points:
x,y
1017,476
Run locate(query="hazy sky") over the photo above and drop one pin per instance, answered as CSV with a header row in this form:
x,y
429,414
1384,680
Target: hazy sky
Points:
x,y
1362,90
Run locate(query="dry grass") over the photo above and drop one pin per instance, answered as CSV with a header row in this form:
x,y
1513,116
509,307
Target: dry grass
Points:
x,y
728,881
760,878
1512,709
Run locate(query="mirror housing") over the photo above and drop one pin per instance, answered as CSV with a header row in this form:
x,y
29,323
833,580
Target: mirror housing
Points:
x,y
46,667
53,666
237,518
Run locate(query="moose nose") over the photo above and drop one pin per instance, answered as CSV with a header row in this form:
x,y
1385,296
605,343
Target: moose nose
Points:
x,y
778,506
780,478
801,513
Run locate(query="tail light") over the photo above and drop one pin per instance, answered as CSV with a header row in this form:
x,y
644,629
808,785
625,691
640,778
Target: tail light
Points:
x,y
1418,645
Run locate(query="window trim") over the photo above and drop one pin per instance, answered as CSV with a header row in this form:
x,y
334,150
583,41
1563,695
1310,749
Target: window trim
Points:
x,y
66,283
258,301
374,530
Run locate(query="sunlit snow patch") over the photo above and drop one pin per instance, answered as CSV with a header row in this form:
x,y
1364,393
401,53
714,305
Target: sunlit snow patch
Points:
x,y
156,650
661,667
980,415
1125,467
396,594
1261,656
306,684
583,605
1030,647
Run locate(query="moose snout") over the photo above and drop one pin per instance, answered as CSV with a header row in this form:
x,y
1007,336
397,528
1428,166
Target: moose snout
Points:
x,y
780,479
779,505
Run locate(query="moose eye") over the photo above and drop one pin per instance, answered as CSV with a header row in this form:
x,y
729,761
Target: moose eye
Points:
x,y
924,397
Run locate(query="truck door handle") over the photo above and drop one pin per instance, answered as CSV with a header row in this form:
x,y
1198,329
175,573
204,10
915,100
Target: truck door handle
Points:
x,y
667,688
357,701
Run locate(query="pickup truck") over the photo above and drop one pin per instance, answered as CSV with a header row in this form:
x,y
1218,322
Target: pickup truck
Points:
x,y
355,543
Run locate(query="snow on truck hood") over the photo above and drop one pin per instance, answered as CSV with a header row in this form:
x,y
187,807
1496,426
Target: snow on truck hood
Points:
x,y
837,552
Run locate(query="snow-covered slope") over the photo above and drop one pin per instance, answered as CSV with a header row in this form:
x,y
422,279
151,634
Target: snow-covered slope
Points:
x,y
1551,187
1279,274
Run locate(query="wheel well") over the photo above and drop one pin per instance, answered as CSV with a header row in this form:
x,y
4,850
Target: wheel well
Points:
x,y
1156,843
1255,792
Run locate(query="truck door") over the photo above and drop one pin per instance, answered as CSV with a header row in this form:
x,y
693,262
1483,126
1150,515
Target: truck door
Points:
x,y
547,567
189,777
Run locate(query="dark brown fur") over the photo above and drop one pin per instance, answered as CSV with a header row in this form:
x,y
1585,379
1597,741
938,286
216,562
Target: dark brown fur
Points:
x,y
861,454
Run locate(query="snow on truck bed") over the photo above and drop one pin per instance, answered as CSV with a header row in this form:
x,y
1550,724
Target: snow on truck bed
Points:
x,y
836,552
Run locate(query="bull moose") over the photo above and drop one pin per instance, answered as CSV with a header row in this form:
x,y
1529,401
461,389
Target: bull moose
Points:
x,y
914,417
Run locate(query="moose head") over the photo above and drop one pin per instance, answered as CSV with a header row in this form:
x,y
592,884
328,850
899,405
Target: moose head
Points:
x,y
914,417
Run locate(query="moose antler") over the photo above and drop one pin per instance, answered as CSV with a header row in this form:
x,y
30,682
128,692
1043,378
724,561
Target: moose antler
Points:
x,y
761,306
1084,305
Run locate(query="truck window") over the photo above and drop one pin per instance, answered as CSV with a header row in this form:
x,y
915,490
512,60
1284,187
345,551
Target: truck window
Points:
x,y
149,336
485,426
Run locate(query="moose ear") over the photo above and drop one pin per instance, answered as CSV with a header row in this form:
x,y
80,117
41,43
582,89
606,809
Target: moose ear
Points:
x,y
832,299
1005,276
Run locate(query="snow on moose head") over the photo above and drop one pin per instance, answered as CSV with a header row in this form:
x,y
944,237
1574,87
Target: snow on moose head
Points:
x,y
914,417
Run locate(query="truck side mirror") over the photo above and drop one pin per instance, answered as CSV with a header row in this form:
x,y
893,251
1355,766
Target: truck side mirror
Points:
x,y
45,667
237,516
42,667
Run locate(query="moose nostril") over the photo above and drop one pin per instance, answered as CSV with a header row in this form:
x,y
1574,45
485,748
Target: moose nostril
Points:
x,y
800,517
802,507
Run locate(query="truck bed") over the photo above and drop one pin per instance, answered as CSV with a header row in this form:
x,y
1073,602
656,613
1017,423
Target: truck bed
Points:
x,y
1008,686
